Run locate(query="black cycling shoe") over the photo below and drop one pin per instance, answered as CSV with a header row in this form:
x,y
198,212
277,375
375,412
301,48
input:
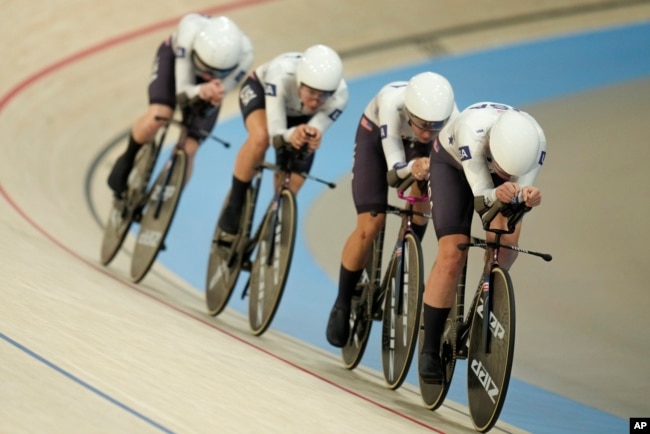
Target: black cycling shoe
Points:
x,y
338,327
430,368
229,221
119,176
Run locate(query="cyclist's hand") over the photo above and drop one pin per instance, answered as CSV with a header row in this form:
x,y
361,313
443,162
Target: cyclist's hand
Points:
x,y
420,168
212,91
508,192
531,196
306,134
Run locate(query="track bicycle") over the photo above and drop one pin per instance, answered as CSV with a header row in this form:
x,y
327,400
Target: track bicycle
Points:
x,y
486,335
272,243
153,208
394,299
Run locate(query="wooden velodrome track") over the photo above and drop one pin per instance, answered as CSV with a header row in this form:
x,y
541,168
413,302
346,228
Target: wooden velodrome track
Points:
x,y
84,350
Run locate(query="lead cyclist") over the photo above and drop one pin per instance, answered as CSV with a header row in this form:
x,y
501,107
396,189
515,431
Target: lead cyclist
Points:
x,y
490,150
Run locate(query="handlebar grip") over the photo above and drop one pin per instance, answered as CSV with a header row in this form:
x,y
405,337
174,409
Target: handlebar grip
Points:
x,y
487,213
514,213
405,183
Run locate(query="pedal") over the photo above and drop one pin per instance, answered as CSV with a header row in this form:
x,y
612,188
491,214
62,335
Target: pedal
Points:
x,y
137,214
225,240
462,346
246,265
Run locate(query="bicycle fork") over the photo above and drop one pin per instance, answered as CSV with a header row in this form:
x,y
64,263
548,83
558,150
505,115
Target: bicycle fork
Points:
x,y
273,256
164,192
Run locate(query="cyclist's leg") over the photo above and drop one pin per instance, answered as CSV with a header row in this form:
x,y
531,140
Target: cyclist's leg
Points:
x,y
253,108
195,138
144,131
162,100
452,210
438,298
369,192
251,153
353,261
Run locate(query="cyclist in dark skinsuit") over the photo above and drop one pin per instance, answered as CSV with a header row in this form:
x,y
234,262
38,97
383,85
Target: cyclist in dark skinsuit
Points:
x,y
294,98
490,150
393,140
206,57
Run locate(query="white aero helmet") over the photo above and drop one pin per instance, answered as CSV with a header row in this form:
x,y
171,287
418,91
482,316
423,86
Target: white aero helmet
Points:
x,y
429,101
217,47
514,143
320,68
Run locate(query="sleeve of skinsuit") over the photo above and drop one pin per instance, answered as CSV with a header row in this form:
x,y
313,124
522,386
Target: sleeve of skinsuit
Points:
x,y
473,148
275,94
390,103
189,26
332,109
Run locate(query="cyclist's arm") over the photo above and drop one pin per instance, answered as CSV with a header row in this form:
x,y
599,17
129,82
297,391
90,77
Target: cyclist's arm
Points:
x,y
472,151
188,27
331,110
392,145
276,112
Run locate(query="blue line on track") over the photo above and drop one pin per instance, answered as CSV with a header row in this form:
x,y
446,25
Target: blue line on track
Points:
x,y
85,385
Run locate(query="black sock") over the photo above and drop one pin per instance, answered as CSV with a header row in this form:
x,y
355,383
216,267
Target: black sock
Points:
x,y
434,325
419,230
347,283
237,193
132,149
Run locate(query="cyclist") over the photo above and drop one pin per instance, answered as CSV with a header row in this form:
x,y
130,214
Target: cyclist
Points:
x,y
205,58
490,150
291,100
393,140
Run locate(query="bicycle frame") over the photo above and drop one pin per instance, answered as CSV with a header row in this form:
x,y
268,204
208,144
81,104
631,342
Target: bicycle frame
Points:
x,y
491,262
407,214
274,205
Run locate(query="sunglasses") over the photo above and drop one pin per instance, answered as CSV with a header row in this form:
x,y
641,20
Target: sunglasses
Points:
x,y
203,68
319,95
425,125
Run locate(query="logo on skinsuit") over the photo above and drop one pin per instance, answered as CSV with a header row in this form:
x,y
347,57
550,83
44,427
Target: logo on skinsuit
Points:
x,y
246,95
335,114
542,158
269,89
365,123
464,153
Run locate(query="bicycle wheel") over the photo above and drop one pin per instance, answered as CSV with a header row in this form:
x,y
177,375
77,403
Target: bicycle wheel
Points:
x,y
272,261
122,212
434,395
158,214
361,309
402,308
224,264
488,373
